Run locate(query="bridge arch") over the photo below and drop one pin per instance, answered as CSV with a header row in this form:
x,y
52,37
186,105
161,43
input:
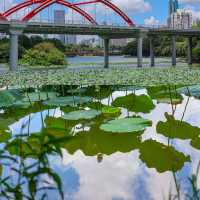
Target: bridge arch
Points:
x,y
44,4
75,6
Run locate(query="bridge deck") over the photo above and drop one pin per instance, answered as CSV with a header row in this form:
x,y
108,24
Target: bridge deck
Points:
x,y
104,31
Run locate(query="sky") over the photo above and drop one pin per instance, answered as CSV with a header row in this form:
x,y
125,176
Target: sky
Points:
x,y
149,12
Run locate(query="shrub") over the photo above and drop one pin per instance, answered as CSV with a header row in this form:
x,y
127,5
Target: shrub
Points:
x,y
44,54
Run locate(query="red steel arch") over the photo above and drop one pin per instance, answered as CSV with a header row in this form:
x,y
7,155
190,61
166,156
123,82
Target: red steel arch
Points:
x,y
2,17
47,3
75,6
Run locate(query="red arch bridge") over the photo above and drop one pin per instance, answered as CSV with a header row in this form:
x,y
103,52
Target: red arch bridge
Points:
x,y
16,27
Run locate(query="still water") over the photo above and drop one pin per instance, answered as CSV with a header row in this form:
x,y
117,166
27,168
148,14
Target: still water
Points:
x,y
102,143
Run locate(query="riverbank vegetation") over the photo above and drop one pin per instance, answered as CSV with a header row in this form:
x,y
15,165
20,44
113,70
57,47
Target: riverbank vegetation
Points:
x,y
44,54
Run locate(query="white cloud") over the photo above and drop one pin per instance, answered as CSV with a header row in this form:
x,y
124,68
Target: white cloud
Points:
x,y
151,21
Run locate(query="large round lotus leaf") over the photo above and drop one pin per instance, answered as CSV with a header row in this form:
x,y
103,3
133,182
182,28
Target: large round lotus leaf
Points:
x,y
135,103
39,96
190,91
177,129
162,158
6,98
126,125
195,142
4,136
108,110
99,92
81,114
165,94
67,101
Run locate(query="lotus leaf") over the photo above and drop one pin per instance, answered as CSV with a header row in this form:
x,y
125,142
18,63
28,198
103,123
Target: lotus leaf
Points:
x,y
195,142
190,91
135,103
6,98
126,125
99,92
81,114
4,136
165,94
162,158
39,96
177,129
67,101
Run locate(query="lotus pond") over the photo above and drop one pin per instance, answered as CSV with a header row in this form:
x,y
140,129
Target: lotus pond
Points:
x,y
100,142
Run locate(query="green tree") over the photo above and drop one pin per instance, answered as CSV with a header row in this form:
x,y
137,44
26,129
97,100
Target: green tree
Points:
x,y
44,54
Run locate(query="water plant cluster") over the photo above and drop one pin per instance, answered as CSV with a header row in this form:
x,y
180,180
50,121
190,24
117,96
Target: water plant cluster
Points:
x,y
89,124
113,76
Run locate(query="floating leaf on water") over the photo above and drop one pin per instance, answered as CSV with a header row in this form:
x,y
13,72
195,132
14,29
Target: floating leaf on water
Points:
x,y
4,136
68,101
39,96
126,125
135,103
7,99
173,128
162,158
99,92
195,142
165,94
96,142
108,110
193,90
81,114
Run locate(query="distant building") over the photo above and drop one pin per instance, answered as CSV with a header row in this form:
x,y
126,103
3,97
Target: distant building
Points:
x,y
70,39
59,18
173,6
119,42
181,19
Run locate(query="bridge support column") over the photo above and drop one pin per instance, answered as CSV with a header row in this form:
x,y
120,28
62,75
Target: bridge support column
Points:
x,y
106,53
139,51
15,31
152,55
173,50
190,51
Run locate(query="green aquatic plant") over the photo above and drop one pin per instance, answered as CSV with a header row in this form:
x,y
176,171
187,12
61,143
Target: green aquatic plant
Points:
x,y
127,125
145,77
107,110
165,94
193,90
81,115
162,158
39,96
68,101
135,103
173,128
8,98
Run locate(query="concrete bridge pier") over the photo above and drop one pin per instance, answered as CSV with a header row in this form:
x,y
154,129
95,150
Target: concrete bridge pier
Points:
x,y
15,31
139,51
173,50
189,50
152,55
106,53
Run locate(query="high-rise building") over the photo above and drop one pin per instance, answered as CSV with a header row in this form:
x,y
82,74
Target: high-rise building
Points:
x,y
181,19
173,7
59,18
